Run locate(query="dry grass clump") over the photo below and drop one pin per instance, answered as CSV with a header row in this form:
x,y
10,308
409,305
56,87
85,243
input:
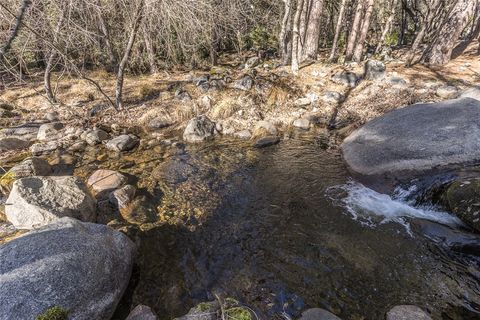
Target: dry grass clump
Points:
x,y
225,108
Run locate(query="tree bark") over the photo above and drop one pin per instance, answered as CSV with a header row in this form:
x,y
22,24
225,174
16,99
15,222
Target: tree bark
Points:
x,y
47,76
388,26
284,36
296,36
106,36
338,30
358,53
303,27
312,35
440,50
421,34
123,63
23,8
352,38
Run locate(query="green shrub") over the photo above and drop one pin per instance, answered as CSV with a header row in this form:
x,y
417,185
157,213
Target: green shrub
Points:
x,y
261,39
54,313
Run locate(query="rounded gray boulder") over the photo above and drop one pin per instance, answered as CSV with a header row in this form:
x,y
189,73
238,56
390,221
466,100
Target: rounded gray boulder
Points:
x,y
416,139
83,268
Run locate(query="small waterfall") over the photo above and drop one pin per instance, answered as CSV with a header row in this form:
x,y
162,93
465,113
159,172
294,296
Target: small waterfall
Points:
x,y
372,208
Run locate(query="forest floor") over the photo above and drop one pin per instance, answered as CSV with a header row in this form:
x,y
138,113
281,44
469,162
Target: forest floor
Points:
x,y
276,96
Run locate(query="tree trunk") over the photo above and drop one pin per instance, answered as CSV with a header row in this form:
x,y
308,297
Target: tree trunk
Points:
x,y
123,63
312,35
284,37
352,38
16,28
388,26
150,52
421,34
338,30
106,36
296,36
303,27
47,77
440,50
358,54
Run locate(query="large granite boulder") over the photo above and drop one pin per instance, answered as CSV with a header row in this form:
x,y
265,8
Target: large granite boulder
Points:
x,y
416,139
36,201
83,268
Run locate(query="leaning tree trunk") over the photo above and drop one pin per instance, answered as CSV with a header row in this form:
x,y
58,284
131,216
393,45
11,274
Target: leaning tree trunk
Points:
x,y
440,50
296,37
16,28
421,34
47,76
358,53
352,37
121,67
388,26
338,30
312,35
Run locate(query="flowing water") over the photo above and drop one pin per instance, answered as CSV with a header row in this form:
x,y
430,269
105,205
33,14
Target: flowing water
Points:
x,y
285,228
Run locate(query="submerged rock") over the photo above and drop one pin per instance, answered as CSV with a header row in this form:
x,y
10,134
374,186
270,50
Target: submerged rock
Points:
x,y
415,139
463,199
103,179
36,201
142,312
199,129
318,314
125,142
83,268
266,141
407,312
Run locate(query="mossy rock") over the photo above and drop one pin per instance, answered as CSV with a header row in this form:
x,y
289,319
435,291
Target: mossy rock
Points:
x,y
238,313
463,199
54,313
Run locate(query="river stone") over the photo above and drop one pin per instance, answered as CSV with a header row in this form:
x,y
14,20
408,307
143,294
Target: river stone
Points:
x,y
346,78
199,129
81,267
333,97
122,197
374,70
49,131
11,143
252,62
407,312
473,93
266,141
318,314
36,201
463,199
95,136
43,147
302,102
245,83
102,180
125,142
447,92
244,134
415,139
303,124
33,166
27,131
142,312
264,126
51,116
159,123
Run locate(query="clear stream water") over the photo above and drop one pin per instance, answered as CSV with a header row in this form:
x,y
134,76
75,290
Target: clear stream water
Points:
x,y
285,228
